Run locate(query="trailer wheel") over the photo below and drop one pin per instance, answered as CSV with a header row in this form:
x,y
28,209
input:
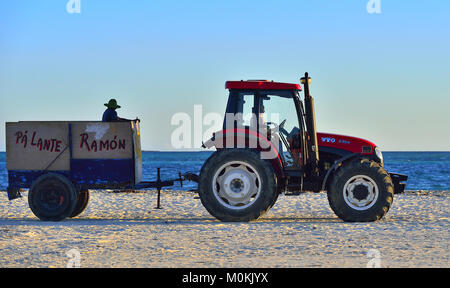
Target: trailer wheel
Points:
x,y
361,191
82,202
236,185
52,197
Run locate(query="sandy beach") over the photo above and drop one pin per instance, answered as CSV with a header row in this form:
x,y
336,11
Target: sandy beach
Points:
x,y
124,230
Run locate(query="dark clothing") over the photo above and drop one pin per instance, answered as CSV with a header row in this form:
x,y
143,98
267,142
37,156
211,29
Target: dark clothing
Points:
x,y
110,115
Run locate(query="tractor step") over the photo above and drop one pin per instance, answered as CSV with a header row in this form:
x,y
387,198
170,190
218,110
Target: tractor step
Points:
x,y
397,179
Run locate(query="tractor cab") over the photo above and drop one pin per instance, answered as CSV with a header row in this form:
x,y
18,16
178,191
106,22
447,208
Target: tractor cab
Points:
x,y
273,111
269,117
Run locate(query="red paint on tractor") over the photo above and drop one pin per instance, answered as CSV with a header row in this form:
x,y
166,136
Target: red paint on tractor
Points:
x,y
261,84
348,143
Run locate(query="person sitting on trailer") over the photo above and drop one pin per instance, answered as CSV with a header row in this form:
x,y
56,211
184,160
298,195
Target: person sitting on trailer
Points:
x,y
110,114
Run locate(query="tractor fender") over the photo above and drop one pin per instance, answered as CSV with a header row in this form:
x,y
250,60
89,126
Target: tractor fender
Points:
x,y
336,165
244,138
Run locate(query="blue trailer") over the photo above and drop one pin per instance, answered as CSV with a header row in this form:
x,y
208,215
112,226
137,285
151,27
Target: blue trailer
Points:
x,y
60,161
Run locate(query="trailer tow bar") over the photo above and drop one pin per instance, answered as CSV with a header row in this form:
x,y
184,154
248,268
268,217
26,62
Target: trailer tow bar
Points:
x,y
159,184
158,181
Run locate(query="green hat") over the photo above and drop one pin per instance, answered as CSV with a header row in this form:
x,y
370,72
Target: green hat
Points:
x,y
112,104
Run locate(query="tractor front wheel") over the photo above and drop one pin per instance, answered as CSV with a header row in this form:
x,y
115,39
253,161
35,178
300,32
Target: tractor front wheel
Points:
x,y
236,185
361,191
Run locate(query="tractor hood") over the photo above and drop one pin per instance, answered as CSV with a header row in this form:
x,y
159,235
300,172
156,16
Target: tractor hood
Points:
x,y
348,143
342,142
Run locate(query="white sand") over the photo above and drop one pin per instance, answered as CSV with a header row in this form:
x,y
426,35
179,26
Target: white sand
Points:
x,y
123,230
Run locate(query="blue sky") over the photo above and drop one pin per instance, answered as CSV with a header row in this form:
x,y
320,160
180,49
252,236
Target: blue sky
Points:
x,y
383,77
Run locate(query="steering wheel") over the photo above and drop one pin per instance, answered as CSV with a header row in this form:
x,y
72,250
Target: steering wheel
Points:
x,y
274,128
277,128
281,126
282,130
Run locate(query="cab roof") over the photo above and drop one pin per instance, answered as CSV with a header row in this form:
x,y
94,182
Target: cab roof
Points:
x,y
261,85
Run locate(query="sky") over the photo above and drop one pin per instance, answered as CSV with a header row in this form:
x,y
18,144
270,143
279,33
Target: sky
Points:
x,y
382,76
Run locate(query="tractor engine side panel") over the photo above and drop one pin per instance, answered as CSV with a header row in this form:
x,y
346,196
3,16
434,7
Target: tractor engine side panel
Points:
x,y
346,143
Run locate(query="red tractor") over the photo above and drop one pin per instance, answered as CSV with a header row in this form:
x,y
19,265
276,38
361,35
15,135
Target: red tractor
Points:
x,y
255,160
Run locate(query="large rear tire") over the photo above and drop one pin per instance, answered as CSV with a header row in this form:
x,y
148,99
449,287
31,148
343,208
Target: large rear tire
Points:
x,y
82,202
236,185
52,197
361,191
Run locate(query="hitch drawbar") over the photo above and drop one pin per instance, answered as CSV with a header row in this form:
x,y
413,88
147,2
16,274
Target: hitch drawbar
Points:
x,y
159,184
398,179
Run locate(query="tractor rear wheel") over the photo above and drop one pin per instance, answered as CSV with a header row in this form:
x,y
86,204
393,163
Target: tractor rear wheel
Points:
x,y
236,185
52,197
82,202
361,191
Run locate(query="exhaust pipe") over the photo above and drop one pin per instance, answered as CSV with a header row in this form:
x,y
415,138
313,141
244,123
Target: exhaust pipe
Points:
x,y
310,119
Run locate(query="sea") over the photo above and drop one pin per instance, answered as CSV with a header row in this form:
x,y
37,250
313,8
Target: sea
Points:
x,y
426,170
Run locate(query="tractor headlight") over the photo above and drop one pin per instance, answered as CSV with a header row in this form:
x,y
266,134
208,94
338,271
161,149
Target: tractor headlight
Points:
x,y
379,154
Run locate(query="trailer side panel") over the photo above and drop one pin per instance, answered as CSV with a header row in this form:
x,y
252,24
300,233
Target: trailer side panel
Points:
x,y
32,146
